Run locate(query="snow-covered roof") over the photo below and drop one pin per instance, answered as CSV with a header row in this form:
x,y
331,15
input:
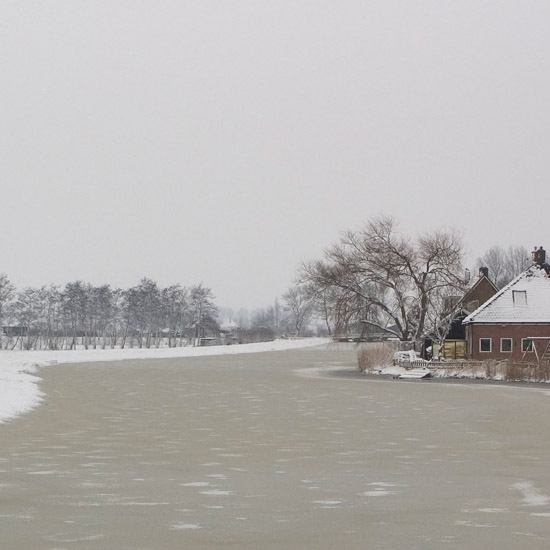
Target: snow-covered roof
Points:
x,y
524,300
229,325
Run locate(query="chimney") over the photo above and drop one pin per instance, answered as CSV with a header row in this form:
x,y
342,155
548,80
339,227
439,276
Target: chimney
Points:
x,y
539,255
483,272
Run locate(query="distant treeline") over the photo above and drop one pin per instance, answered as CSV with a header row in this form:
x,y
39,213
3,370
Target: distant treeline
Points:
x,y
81,314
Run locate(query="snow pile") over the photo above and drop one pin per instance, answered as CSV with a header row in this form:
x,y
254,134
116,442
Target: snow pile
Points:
x,y
19,391
475,372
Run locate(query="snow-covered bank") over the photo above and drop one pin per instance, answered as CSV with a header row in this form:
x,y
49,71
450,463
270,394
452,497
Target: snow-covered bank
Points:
x,y
19,391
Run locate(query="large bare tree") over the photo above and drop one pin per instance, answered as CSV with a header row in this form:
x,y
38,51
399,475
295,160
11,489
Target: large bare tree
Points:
x,y
388,278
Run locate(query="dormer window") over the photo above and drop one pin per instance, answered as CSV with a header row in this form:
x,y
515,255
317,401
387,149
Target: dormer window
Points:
x,y
519,297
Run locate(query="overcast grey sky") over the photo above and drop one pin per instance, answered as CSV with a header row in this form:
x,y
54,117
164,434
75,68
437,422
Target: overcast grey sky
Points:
x,y
225,141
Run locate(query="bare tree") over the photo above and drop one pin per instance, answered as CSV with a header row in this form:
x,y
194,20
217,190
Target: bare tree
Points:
x,y
117,325
75,302
175,312
445,308
6,293
28,310
388,277
263,318
102,313
504,264
203,311
142,312
52,316
299,302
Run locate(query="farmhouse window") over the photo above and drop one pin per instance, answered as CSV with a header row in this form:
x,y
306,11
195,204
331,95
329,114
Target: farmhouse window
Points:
x,y
527,344
485,344
519,297
505,344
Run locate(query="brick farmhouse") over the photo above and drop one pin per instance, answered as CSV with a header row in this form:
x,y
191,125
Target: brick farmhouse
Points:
x,y
515,323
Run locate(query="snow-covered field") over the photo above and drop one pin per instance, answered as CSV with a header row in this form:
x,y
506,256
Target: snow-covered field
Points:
x,y
19,391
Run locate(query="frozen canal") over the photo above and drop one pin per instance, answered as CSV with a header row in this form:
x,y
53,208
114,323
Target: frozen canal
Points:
x,y
265,451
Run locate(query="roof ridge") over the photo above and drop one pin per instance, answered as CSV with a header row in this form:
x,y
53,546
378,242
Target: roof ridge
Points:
x,y
478,282
486,304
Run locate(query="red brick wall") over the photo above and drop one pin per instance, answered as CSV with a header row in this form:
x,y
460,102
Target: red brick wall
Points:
x,y
495,332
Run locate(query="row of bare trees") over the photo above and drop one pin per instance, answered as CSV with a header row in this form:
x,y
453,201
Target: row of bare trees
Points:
x,y
288,317
81,314
504,263
381,279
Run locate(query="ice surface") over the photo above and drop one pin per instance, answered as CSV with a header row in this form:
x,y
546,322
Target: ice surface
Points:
x,y
19,391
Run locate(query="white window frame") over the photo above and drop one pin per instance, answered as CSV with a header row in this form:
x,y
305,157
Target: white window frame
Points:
x,y
511,345
532,346
490,345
